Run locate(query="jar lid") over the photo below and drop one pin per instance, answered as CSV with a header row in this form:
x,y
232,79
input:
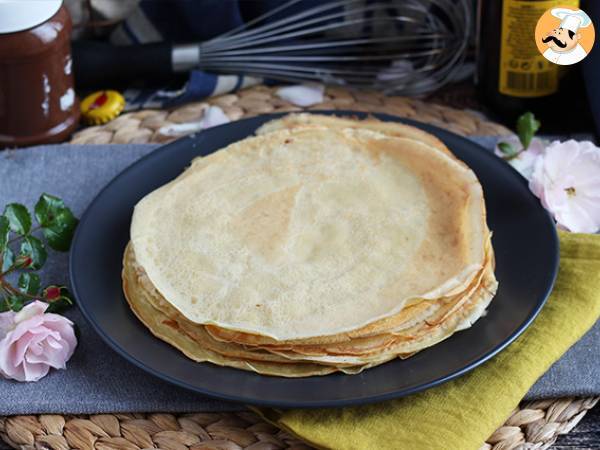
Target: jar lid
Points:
x,y
19,15
101,107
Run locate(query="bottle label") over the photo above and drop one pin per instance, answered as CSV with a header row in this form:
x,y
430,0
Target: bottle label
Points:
x,y
524,72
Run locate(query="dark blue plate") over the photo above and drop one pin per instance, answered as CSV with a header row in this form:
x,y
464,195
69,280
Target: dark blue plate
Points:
x,y
524,240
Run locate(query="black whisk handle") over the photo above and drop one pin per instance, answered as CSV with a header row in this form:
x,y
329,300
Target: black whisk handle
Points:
x,y
101,65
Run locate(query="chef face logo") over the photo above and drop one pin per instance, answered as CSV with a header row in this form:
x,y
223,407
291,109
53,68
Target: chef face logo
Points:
x,y
564,35
561,40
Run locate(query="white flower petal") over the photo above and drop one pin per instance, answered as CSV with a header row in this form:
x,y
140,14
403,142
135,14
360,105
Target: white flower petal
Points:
x,y
576,218
590,204
591,184
566,178
537,146
536,183
524,163
587,167
180,129
213,116
397,70
559,157
303,94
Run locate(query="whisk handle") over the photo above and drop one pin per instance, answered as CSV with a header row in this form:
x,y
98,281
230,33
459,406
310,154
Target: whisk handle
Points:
x,y
97,64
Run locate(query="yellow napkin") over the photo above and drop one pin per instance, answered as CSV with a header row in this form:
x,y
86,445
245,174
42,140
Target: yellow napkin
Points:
x,y
462,413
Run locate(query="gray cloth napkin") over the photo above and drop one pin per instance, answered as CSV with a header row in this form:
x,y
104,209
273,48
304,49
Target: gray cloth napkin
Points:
x,y
97,380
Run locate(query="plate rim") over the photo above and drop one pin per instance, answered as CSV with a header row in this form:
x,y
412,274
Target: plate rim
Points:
x,y
256,400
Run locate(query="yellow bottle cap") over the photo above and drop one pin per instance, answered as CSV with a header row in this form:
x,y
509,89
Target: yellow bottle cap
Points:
x,y
101,107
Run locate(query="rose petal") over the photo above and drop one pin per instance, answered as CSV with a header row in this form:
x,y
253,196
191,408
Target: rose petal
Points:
x,y
34,372
213,116
36,342
559,156
525,163
53,357
56,318
587,169
537,146
566,179
536,184
20,346
31,310
582,215
399,69
576,218
7,322
54,343
303,94
180,129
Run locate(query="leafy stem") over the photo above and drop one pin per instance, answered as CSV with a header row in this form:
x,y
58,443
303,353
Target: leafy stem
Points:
x,y
12,290
527,126
57,225
18,237
6,272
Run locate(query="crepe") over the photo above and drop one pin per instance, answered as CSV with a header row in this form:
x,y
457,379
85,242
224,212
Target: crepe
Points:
x,y
197,345
394,129
168,324
306,233
417,312
324,244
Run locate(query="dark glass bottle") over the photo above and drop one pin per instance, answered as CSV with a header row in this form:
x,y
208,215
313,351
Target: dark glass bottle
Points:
x,y
513,77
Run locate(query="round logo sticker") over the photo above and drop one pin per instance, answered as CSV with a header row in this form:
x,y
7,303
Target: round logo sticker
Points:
x,y
564,35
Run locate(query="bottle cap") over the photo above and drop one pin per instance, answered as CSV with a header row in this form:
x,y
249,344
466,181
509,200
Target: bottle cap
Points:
x,y
101,107
26,14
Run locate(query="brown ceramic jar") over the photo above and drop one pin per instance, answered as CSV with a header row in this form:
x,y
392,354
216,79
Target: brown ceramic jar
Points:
x,y
37,96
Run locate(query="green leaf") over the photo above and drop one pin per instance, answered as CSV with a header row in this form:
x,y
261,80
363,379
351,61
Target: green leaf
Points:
x,y
60,234
12,303
507,149
527,126
4,232
16,302
57,221
47,208
33,247
29,283
8,257
58,297
18,217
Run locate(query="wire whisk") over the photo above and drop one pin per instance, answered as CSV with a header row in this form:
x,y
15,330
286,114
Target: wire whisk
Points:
x,y
397,46
402,46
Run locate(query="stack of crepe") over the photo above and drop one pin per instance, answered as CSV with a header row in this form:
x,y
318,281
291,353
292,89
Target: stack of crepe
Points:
x,y
322,244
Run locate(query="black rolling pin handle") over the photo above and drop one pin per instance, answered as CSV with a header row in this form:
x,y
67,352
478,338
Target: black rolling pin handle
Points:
x,y
97,64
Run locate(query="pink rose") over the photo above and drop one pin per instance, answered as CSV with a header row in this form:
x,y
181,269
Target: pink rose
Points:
x,y
31,342
566,178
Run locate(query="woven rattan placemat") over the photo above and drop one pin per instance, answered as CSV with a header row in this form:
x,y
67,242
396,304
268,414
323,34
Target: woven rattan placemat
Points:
x,y
163,126
534,425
